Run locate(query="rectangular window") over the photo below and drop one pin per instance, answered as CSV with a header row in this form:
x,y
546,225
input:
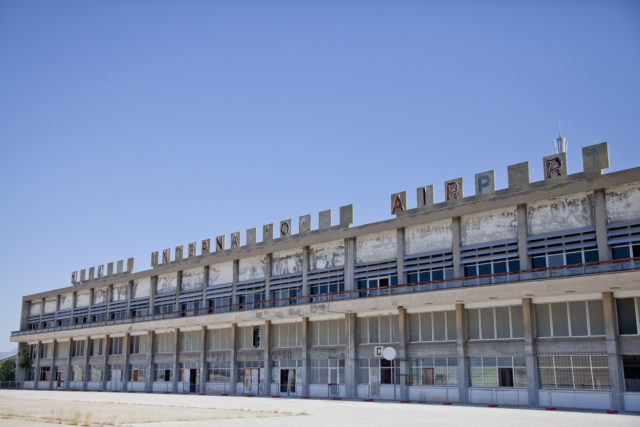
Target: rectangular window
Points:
x,y
574,372
77,349
378,329
219,372
137,344
327,332
95,373
189,341
559,320
498,372
249,336
577,318
327,371
631,366
96,346
218,339
45,371
137,373
163,343
286,335
627,316
115,345
439,371
164,372
492,323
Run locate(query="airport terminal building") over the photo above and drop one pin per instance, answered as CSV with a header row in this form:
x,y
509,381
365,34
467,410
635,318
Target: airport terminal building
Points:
x,y
528,295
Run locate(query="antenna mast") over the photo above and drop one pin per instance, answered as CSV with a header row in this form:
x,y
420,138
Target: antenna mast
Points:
x,y
560,143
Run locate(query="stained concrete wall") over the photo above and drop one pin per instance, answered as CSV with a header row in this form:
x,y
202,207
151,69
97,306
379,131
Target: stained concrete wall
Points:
x,y
489,226
251,268
286,262
119,292
376,247
623,202
142,287
66,301
427,237
83,299
167,283
326,255
99,295
36,308
192,279
563,213
221,273
50,305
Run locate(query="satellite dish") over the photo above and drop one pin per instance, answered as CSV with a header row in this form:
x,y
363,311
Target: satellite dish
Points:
x,y
389,353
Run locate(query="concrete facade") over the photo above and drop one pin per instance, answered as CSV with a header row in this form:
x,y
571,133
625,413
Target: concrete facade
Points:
x,y
449,286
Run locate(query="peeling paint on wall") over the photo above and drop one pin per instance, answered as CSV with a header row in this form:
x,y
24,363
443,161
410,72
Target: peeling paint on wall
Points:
x,y
192,279
141,287
82,299
66,301
99,295
167,283
489,226
326,255
428,237
221,273
377,247
36,308
564,213
286,262
49,305
623,202
251,268
119,292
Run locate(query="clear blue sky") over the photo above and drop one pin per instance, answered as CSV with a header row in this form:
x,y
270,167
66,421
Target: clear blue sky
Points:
x,y
132,126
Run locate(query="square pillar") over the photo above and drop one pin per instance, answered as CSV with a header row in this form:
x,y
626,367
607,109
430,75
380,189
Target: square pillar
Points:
x,y
456,239
233,365
266,345
461,352
236,274
530,353
105,349
351,349
402,276
267,278
521,214
150,371
36,375
305,275
67,382
306,336
125,369
176,371
203,360
349,264
52,370
600,221
616,374
402,353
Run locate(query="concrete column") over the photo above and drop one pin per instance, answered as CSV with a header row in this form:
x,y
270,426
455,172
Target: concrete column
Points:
x,y
105,355
67,382
152,295
109,298
20,374
233,364
403,332
26,308
178,287
129,296
52,370
176,371
90,304
42,312
616,375
36,375
85,378
150,371
55,314
461,352
600,220
266,345
456,241
402,276
530,353
349,265
203,360
74,296
125,368
268,258
306,338
205,283
351,355
521,213
305,274
236,273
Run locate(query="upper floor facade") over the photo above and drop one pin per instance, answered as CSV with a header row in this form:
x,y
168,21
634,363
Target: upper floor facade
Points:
x,y
575,224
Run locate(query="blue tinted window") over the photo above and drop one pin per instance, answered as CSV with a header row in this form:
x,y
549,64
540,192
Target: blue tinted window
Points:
x,y
436,275
591,256
470,270
621,252
500,267
412,277
574,258
424,276
514,265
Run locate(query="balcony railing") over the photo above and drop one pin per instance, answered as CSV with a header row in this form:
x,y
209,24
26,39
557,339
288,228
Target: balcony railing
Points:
x,y
489,279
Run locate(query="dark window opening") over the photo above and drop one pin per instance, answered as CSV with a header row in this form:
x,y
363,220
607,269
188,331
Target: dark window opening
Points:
x,y
505,377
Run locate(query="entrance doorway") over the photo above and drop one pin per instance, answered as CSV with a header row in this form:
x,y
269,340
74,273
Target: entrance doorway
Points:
x,y
251,380
287,382
59,379
116,379
193,380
